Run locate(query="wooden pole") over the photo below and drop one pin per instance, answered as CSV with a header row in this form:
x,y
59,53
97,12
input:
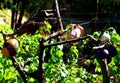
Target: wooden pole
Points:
x,y
40,68
58,14
105,71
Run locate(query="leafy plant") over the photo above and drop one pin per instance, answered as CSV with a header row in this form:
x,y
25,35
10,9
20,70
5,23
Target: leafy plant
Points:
x,y
56,70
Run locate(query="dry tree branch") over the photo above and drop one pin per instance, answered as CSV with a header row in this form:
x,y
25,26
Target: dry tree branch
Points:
x,y
72,40
19,69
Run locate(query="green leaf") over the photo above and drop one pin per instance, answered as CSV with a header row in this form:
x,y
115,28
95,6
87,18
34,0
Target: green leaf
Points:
x,y
32,80
1,65
1,74
10,73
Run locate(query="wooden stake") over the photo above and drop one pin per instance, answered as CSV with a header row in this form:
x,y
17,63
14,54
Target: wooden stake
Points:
x,y
58,14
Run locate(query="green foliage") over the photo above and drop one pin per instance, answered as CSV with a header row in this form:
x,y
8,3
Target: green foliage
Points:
x,y
5,3
45,30
55,69
115,40
7,72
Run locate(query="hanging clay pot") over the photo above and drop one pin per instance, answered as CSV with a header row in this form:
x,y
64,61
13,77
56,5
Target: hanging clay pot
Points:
x,y
10,47
76,32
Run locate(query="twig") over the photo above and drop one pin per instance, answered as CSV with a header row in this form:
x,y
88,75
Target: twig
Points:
x,y
56,34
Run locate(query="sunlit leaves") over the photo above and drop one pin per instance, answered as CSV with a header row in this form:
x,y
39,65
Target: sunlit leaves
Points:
x,y
10,73
96,34
1,74
6,28
56,54
45,30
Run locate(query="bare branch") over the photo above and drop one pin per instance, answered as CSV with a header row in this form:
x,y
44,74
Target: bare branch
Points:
x,y
56,34
19,69
68,41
